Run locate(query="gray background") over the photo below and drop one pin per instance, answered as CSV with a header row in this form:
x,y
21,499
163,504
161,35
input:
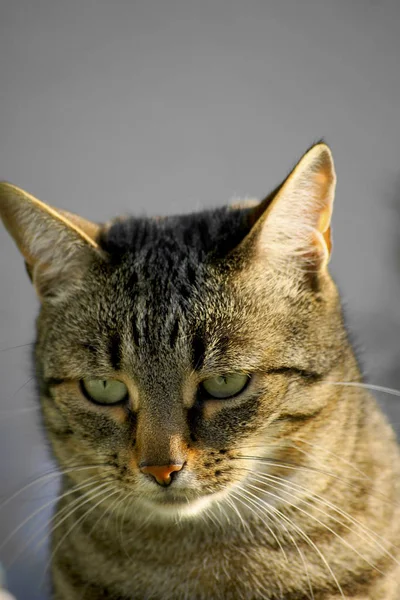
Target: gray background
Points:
x,y
168,106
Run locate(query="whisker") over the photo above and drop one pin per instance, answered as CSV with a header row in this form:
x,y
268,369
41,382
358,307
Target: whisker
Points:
x,y
53,518
19,346
50,475
367,386
237,494
239,514
224,513
291,443
210,513
368,532
307,539
21,387
219,522
296,546
123,516
223,509
71,507
108,508
76,523
334,455
41,509
314,518
122,520
114,507
271,462
203,515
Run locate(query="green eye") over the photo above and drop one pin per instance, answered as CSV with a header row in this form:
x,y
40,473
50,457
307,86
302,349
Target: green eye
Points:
x,y
225,386
104,391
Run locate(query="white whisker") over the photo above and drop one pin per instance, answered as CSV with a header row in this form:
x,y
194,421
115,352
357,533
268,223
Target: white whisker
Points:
x,y
237,511
306,538
293,467
50,475
239,495
296,546
314,518
367,386
76,523
41,509
371,535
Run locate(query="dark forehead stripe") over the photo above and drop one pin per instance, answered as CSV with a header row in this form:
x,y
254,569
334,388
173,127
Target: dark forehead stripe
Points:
x,y
135,333
114,350
173,336
199,350
161,266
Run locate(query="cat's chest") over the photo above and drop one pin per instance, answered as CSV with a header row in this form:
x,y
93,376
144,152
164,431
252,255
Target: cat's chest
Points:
x,y
181,564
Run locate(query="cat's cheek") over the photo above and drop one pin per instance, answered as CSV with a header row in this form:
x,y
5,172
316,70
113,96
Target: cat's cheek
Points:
x,y
78,426
303,401
223,428
211,408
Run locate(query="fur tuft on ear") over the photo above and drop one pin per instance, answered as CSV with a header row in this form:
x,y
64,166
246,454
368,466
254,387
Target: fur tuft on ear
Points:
x,y
293,228
55,244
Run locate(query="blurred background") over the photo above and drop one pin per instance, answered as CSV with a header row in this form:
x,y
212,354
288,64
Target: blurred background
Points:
x,y
169,106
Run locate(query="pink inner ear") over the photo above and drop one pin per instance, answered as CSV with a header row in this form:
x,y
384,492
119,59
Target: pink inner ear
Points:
x,y
328,239
324,219
323,225
297,224
323,208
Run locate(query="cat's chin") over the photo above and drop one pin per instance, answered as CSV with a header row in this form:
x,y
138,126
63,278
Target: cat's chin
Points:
x,y
179,507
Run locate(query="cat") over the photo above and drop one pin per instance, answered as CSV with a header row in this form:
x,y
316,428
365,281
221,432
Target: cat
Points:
x,y
192,373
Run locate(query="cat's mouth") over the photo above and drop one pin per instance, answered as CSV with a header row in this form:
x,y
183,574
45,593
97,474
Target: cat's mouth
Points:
x,y
172,503
173,498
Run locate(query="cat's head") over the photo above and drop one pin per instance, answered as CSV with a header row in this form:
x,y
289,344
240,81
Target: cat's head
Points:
x,y
171,352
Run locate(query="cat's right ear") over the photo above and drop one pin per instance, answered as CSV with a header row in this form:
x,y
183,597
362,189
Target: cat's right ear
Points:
x,y
57,246
291,228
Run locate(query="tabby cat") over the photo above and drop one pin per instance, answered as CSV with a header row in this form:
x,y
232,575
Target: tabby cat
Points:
x,y
205,406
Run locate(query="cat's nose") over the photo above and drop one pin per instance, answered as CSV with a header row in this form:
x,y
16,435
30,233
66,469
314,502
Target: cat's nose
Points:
x,y
161,473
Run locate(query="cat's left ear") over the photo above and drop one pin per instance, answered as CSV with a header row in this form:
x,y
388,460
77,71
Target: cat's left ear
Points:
x,y
292,230
57,246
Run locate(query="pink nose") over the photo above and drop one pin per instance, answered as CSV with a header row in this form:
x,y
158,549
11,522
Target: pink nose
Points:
x,y
162,474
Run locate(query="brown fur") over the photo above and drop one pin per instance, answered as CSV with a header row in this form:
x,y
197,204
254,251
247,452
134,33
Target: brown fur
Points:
x,y
289,490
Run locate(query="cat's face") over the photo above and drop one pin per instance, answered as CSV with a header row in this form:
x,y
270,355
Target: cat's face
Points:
x,y
171,353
